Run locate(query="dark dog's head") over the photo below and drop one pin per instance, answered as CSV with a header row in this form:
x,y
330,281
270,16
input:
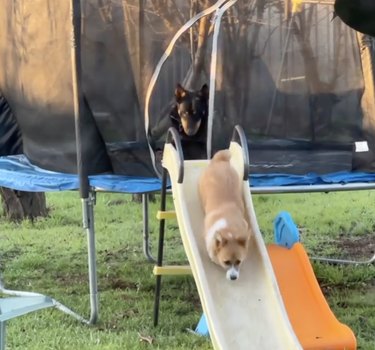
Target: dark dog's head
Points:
x,y
192,108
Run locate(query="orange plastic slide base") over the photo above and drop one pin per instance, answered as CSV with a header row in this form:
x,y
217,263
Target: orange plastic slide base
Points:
x,y
309,313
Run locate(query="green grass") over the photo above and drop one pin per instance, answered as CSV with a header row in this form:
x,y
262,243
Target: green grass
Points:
x,y
49,256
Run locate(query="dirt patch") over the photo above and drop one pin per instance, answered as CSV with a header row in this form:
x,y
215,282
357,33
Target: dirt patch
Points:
x,y
357,247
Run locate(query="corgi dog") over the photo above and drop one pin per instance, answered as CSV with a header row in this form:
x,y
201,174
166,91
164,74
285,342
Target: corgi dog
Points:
x,y
226,231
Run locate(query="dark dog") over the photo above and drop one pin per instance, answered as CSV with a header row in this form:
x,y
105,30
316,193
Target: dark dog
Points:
x,y
189,115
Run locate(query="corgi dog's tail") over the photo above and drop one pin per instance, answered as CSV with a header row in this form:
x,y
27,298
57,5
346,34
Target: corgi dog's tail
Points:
x,y
222,156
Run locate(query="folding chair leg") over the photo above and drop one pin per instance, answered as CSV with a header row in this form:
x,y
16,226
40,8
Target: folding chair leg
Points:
x,y
2,335
344,261
88,225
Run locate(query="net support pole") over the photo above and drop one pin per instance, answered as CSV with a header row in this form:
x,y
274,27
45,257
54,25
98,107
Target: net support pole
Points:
x,y
87,196
213,67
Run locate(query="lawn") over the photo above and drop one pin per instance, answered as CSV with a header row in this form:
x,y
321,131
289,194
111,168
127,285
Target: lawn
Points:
x,y
49,256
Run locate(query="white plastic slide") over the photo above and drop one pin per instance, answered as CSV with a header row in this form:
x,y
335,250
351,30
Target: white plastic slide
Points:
x,y
244,314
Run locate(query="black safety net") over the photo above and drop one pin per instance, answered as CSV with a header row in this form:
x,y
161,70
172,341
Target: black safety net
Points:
x,y
297,80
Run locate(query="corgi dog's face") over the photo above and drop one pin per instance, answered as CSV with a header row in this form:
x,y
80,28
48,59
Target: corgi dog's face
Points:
x,y
230,251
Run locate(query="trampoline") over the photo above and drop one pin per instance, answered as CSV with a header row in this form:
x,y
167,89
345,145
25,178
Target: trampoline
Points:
x,y
91,114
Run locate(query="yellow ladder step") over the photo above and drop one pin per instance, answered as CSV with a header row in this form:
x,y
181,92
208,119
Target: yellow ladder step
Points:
x,y
168,214
172,270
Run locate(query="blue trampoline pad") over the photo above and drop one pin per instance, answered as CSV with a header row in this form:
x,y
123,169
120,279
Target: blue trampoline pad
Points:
x,y
278,179
16,172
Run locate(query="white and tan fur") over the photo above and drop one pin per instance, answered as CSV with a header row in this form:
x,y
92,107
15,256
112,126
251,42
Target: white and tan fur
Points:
x,y
226,230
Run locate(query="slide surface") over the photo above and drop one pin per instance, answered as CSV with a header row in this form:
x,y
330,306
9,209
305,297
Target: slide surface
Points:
x,y
309,313
244,314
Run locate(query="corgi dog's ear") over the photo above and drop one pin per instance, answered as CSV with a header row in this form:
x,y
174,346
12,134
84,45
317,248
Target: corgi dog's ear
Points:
x,y
242,241
179,93
220,241
204,92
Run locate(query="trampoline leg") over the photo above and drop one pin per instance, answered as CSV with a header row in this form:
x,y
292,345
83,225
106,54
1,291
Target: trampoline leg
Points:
x,y
88,225
160,248
146,231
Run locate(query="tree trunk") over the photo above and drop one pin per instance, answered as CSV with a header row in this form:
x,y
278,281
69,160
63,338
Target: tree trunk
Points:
x,y
19,205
